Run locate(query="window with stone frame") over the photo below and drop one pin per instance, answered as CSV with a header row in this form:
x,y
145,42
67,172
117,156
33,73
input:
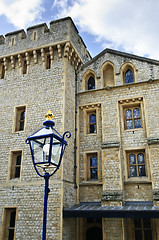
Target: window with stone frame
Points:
x,y
24,67
142,229
92,166
20,118
136,163
48,61
92,123
15,164
132,117
9,222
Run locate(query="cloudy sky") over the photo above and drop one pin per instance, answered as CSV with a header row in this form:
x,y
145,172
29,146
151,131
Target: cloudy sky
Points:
x,y
125,25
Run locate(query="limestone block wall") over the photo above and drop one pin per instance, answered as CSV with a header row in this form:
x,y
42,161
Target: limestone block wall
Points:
x,y
115,141
39,90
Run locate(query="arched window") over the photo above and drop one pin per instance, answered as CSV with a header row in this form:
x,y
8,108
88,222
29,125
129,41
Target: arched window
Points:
x,y
108,75
129,76
91,83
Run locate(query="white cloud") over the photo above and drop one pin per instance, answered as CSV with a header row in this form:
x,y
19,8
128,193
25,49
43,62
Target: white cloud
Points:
x,y
129,25
21,12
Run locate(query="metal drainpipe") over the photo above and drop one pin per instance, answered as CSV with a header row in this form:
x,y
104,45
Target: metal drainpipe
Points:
x,y
75,147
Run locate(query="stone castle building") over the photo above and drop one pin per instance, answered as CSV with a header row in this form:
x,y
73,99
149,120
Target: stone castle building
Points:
x,y
108,185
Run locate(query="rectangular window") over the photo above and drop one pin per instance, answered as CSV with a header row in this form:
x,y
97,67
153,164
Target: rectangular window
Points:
x,y
20,118
9,222
92,166
24,67
15,164
142,229
48,61
2,71
136,164
132,117
92,125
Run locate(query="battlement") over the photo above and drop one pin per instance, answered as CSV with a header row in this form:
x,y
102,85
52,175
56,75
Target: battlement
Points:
x,y
61,30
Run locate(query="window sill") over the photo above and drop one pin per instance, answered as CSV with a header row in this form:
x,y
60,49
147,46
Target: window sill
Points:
x,y
133,129
137,180
91,182
19,131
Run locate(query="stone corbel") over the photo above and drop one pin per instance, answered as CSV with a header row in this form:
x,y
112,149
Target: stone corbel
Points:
x,y
51,54
43,56
5,62
20,60
35,56
116,195
59,49
12,59
66,50
27,58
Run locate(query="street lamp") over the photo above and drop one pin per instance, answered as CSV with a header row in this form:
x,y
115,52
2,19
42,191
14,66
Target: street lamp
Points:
x,y
47,147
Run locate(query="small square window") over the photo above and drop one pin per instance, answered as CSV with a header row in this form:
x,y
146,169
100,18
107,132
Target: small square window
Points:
x,y
9,222
20,118
132,117
136,164
92,163
15,164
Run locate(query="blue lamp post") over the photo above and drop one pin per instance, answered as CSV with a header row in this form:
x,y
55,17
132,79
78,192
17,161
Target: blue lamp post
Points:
x,y
47,147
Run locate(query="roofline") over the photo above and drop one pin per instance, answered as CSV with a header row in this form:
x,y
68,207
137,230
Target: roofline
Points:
x,y
119,53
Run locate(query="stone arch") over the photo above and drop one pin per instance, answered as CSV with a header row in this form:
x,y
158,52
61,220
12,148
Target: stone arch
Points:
x,y
128,73
89,80
107,73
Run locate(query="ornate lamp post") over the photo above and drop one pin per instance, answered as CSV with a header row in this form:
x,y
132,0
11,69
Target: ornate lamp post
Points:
x,y
47,147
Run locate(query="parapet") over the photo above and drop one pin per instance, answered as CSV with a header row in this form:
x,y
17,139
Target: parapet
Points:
x,y
40,36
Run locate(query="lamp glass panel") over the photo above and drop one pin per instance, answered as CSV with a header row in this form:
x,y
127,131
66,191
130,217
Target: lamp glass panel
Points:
x,y
56,151
40,149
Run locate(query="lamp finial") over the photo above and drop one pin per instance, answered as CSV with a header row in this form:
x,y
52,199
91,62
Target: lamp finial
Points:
x,y
49,115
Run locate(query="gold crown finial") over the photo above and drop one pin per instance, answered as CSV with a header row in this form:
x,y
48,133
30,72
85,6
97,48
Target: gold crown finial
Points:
x,y
49,115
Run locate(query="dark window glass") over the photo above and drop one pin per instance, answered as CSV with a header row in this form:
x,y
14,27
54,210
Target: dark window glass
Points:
x,y
148,235
138,235
132,159
91,83
137,222
48,62
92,123
93,167
142,229
137,165
22,118
24,67
11,225
3,72
129,76
133,118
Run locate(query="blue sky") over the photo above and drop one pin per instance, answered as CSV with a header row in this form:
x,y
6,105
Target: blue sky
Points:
x,y
124,25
